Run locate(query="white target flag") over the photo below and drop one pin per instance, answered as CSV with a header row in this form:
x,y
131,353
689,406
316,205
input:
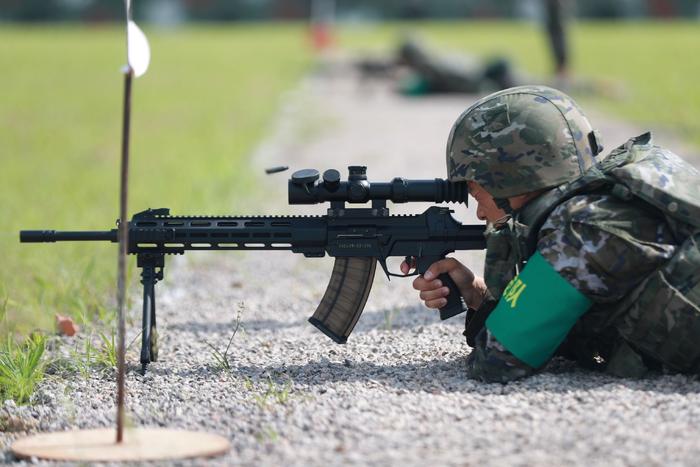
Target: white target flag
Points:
x,y
138,52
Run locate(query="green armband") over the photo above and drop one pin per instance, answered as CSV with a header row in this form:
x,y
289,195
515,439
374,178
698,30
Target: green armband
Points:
x,y
536,312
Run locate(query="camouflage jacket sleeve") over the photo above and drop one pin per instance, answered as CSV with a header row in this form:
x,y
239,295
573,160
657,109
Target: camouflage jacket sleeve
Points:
x,y
490,362
601,245
605,246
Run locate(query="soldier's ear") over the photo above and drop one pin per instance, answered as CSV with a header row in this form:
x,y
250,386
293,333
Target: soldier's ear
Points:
x,y
595,142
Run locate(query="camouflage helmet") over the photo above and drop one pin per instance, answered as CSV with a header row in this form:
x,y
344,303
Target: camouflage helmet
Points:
x,y
520,140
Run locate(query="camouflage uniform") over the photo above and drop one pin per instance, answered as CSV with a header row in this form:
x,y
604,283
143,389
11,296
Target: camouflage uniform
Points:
x,y
623,232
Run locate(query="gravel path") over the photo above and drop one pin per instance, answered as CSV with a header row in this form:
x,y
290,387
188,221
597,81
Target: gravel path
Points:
x,y
396,393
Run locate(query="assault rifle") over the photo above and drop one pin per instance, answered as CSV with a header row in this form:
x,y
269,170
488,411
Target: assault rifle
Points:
x,y
356,237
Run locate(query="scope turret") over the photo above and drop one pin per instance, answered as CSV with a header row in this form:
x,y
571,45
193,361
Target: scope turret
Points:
x,y
305,188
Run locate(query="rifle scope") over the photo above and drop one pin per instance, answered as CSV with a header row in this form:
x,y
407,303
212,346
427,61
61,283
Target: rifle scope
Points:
x,y
305,188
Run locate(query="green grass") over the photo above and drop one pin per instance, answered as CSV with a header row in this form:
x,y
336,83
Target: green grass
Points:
x,y
274,392
221,359
21,367
201,108
657,63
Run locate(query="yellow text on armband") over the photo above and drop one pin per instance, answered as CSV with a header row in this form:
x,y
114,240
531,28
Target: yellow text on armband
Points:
x,y
513,291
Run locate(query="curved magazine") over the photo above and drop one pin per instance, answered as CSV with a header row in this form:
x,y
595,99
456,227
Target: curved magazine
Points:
x,y
345,297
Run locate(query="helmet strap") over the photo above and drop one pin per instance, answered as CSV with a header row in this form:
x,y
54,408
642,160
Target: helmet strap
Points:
x,y
501,221
504,205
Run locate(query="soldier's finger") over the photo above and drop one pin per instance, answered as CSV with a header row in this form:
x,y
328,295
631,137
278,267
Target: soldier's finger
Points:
x,y
439,267
421,284
436,294
438,303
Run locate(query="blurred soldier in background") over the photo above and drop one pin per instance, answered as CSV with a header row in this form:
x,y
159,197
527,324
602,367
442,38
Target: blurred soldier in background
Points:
x,y
419,69
556,25
440,73
592,259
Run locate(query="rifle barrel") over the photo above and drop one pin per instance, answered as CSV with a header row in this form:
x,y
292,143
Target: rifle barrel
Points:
x,y
50,236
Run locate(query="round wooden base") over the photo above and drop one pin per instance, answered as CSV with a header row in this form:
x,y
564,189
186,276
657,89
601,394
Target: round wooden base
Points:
x,y
139,444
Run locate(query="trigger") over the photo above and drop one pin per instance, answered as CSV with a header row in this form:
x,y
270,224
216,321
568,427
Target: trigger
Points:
x,y
412,264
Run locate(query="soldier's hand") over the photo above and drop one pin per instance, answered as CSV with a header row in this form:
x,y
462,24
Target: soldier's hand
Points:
x,y
434,293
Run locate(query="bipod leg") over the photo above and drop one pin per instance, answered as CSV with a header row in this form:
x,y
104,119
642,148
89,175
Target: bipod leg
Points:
x,y
154,331
151,273
148,307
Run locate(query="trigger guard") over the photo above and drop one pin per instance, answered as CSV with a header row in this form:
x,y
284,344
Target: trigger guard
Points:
x,y
389,275
393,274
407,259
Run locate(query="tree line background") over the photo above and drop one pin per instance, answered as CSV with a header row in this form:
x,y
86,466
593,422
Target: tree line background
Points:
x,y
178,11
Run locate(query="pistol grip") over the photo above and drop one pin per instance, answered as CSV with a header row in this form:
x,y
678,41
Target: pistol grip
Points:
x,y
455,303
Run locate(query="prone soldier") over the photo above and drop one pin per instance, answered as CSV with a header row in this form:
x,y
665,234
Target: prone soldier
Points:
x,y
592,259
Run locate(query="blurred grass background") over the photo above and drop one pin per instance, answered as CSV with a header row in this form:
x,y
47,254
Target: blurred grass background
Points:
x,y
201,108
206,100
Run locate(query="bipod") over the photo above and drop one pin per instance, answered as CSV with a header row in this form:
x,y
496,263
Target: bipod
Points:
x,y
151,265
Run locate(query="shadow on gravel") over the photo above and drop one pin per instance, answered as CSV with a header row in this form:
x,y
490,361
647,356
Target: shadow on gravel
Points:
x,y
440,376
387,319
436,376
198,327
398,318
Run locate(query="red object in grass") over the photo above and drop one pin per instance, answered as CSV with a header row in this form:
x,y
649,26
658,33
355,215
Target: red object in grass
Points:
x,y
66,326
321,36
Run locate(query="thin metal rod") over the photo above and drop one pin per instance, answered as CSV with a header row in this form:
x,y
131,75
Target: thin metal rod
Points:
x,y
121,262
